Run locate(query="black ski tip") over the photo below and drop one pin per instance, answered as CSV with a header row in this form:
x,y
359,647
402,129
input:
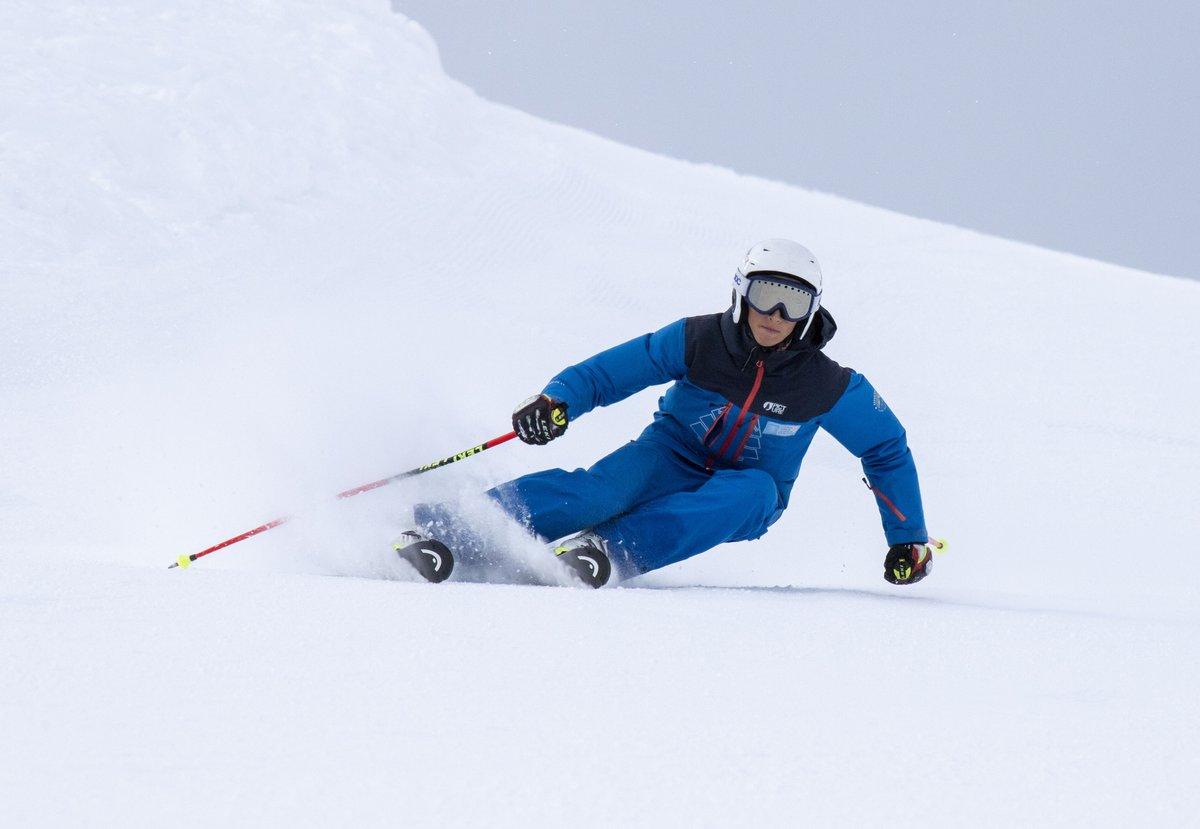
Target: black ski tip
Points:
x,y
431,558
589,565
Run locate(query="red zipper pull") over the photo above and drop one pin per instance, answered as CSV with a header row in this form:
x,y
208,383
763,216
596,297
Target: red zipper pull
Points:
x,y
737,425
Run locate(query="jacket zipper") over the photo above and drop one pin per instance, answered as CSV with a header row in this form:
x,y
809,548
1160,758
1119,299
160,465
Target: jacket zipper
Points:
x,y
758,375
878,494
737,456
716,424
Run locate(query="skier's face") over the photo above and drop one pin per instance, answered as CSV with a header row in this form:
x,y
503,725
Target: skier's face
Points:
x,y
769,330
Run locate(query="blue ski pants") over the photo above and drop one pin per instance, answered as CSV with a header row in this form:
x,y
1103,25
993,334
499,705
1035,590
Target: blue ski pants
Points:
x,y
651,505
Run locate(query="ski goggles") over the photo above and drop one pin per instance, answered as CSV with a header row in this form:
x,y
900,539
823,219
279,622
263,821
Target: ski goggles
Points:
x,y
794,301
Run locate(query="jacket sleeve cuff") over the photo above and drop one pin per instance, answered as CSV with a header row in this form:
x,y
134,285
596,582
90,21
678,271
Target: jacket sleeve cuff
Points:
x,y
557,390
907,535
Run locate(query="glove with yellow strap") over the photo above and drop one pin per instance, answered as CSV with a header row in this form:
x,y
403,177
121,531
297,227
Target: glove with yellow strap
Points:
x,y
540,419
907,563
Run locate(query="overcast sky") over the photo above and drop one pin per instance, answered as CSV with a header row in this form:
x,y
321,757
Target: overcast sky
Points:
x,y
1067,124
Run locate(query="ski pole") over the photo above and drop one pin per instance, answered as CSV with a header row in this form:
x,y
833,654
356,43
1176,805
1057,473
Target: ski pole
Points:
x,y
185,560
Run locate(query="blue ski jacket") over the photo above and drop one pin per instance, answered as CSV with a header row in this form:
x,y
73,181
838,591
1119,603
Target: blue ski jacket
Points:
x,y
735,404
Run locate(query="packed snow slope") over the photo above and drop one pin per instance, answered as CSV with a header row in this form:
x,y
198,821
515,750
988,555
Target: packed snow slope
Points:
x,y
252,254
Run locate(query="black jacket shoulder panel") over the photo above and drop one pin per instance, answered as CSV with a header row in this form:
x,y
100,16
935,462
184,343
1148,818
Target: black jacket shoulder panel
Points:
x,y
696,330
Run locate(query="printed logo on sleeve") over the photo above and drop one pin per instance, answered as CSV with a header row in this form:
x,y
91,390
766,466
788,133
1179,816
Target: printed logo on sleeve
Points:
x,y
880,406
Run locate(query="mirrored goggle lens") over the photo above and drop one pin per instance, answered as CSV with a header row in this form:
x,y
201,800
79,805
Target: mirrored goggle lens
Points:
x,y
794,302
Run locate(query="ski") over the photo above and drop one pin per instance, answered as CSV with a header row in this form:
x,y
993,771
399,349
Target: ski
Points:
x,y
584,557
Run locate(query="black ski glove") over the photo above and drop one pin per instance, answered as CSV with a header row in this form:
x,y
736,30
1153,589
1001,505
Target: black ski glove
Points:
x,y
540,419
907,563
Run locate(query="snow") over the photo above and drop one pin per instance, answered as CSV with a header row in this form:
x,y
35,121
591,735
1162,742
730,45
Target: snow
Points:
x,y
254,254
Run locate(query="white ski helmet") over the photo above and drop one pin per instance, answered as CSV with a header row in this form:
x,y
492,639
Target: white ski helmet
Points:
x,y
783,258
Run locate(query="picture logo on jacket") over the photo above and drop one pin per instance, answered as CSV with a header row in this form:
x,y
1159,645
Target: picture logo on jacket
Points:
x,y
774,408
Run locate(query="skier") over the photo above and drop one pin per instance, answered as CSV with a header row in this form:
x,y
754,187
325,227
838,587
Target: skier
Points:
x,y
717,464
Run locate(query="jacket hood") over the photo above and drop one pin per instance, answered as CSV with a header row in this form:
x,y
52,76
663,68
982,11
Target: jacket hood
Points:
x,y
819,333
817,337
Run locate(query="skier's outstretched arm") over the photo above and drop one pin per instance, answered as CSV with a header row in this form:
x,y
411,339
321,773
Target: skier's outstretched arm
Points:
x,y
602,380
862,422
621,371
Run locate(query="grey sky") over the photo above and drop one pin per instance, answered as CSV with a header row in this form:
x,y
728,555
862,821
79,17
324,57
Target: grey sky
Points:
x,y
1067,124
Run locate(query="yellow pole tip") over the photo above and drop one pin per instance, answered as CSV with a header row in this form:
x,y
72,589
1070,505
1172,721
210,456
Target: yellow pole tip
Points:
x,y
183,561
940,545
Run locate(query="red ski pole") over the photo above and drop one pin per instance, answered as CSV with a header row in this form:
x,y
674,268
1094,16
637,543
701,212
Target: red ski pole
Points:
x,y
185,560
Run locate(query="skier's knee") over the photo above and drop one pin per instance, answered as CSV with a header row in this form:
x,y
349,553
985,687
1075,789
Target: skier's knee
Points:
x,y
758,498
760,489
